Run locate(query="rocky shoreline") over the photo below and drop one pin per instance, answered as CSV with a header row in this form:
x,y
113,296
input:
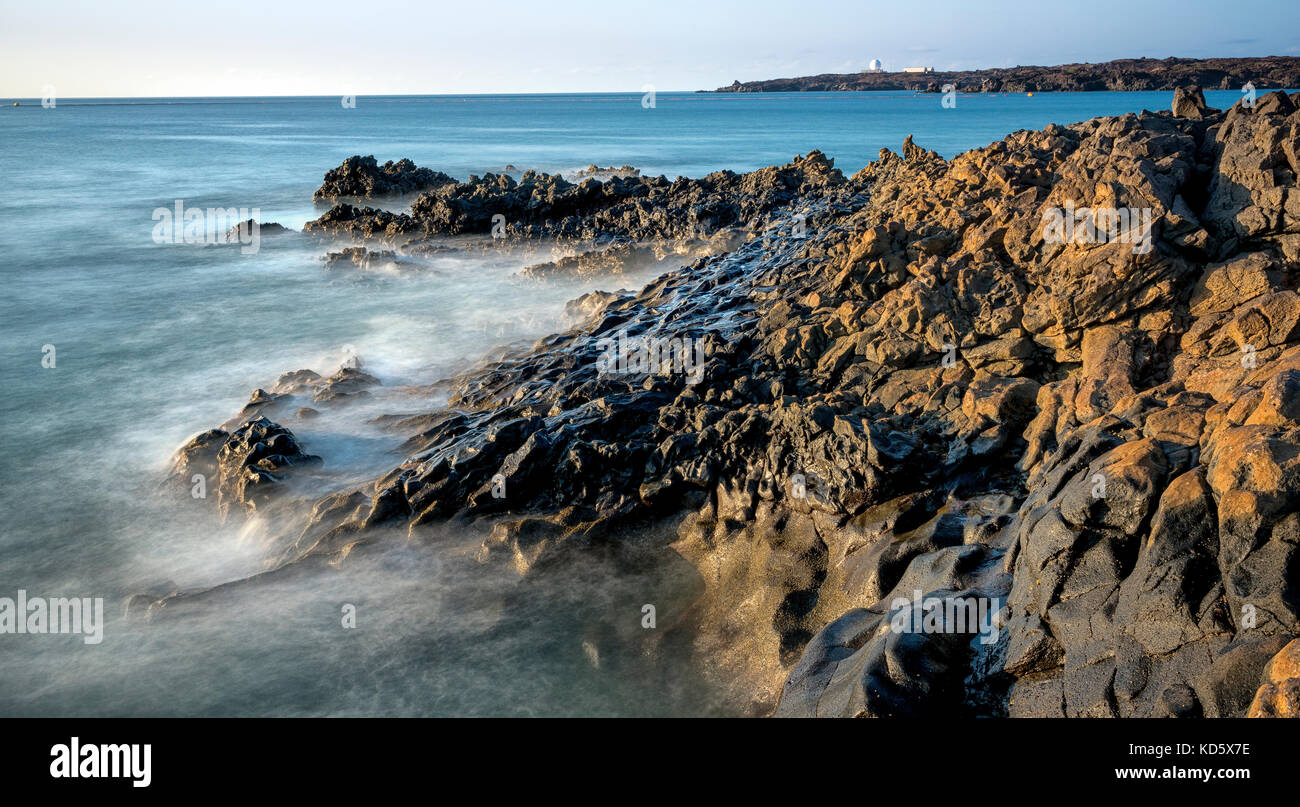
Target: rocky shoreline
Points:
x,y
1121,75
857,388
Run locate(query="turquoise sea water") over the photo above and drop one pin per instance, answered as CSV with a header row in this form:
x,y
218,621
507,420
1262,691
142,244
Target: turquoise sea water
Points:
x,y
154,342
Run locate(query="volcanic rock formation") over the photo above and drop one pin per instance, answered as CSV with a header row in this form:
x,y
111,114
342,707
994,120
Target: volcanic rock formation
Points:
x,y
1059,374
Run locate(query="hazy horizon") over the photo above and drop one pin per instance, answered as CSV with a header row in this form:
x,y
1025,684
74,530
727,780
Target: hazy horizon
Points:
x,y
151,49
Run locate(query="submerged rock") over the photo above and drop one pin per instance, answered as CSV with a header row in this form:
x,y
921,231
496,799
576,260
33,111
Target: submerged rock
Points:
x,y
347,384
362,258
243,230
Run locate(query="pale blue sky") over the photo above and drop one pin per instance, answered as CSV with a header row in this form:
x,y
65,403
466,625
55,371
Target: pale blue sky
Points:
x,y
337,47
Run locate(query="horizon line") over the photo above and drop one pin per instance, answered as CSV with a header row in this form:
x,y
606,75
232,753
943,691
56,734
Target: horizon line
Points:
x,y
396,97
642,91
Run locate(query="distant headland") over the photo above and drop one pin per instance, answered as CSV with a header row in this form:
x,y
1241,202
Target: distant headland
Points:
x,y
1269,72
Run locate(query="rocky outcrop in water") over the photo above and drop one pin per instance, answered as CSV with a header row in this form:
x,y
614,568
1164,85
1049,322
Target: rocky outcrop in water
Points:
x,y
1121,75
249,458
1011,434
547,206
245,466
244,230
594,171
364,178
362,258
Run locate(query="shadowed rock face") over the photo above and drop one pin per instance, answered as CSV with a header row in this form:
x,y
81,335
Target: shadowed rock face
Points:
x,y
1058,374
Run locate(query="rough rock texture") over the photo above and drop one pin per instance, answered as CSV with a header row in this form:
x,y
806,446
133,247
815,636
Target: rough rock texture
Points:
x,y
1121,75
247,460
625,256
924,389
362,258
1189,102
594,171
245,466
622,207
244,229
1279,695
363,177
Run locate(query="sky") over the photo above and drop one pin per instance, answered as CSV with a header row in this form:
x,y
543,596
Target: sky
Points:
x,y
145,48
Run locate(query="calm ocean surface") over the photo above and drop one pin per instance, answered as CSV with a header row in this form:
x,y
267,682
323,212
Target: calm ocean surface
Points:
x,y
155,342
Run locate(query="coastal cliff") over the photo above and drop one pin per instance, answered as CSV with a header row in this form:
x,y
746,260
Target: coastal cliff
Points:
x,y
1058,373
1121,75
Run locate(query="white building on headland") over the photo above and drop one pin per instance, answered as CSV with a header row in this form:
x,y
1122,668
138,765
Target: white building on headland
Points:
x,y
874,66
918,69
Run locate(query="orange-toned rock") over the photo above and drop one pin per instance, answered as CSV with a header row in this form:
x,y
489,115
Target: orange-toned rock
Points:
x,y
1279,695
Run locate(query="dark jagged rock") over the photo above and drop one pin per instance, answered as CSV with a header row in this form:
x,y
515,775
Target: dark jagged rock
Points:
x,y
244,229
594,171
245,466
363,178
347,384
360,223
537,206
925,387
1121,75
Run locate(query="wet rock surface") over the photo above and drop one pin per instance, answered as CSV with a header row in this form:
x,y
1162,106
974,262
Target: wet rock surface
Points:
x,y
624,256
594,171
362,258
245,466
1054,378
591,211
364,177
245,229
